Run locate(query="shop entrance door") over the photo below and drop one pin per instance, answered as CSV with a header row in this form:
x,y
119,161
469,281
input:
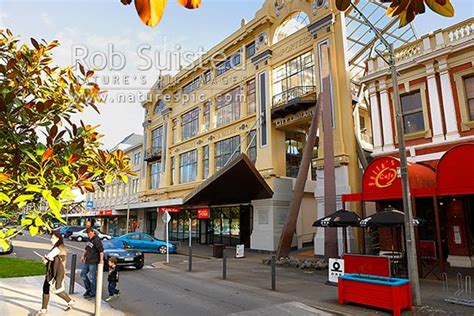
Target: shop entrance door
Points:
x,y
456,230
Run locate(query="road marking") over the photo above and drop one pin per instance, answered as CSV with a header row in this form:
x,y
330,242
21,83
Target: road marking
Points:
x,y
148,267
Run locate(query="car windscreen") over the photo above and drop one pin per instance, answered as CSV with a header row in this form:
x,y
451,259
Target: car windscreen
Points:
x,y
75,229
115,244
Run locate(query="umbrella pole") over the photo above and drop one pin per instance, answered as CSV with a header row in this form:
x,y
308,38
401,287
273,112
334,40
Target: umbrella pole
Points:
x,y
438,233
344,235
362,206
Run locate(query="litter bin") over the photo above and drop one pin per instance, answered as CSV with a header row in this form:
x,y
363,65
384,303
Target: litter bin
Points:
x,y
218,250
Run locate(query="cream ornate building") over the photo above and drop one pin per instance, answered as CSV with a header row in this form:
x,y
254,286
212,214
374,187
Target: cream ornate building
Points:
x,y
255,93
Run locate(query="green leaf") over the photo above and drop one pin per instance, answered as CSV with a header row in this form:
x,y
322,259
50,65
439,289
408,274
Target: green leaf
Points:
x,y
23,198
26,222
33,230
54,204
11,231
2,234
33,188
39,222
108,179
4,244
124,178
4,197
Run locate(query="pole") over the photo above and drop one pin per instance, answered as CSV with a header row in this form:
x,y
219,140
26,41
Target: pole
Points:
x,y
167,238
407,210
128,209
407,204
190,246
72,276
98,292
224,265
273,272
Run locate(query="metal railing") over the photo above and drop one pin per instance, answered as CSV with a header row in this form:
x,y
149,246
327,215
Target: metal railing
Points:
x,y
153,153
290,94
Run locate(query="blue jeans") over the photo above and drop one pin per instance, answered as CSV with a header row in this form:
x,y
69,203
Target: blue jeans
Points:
x,y
89,277
113,288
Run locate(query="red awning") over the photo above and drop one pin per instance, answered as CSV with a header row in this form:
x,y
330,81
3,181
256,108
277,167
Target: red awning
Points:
x,y
455,172
381,182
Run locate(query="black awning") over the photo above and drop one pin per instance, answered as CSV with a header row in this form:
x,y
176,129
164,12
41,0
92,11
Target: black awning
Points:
x,y
237,183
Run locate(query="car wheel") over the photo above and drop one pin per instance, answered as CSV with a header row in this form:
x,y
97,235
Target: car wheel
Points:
x,y
79,238
163,250
140,265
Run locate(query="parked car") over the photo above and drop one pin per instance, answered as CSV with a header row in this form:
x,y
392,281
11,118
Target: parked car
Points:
x,y
82,235
9,249
126,255
147,243
72,229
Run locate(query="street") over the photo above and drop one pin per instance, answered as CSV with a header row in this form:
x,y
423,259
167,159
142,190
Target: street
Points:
x,y
153,291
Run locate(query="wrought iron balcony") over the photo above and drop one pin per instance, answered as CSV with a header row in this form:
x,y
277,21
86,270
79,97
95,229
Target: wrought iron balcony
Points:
x,y
287,96
153,153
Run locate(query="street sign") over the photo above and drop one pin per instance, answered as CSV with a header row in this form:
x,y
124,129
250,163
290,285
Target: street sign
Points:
x,y
336,269
166,217
239,251
171,209
90,204
104,213
203,213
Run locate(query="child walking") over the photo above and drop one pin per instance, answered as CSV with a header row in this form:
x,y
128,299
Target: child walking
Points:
x,y
113,279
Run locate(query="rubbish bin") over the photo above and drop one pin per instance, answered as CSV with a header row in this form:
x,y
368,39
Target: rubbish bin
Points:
x,y
218,250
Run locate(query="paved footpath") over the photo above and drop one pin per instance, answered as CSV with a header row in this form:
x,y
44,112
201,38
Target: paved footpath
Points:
x,y
22,296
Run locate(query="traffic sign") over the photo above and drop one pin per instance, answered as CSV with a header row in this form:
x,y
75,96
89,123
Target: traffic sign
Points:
x,y
90,204
166,217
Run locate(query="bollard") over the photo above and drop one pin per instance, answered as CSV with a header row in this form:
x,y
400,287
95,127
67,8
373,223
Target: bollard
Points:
x,y
273,272
98,292
72,276
190,259
224,265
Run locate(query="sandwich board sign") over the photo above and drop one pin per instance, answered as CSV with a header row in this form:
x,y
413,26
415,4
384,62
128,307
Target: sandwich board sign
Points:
x,y
239,251
335,270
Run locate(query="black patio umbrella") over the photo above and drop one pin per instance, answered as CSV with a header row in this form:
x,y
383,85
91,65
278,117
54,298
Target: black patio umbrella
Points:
x,y
341,218
389,217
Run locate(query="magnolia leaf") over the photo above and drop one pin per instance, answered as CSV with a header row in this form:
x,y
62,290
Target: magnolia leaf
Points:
x,y
191,4
11,231
4,177
47,154
4,244
39,222
108,179
23,198
124,178
33,188
26,222
33,230
150,11
442,7
4,198
2,234
54,204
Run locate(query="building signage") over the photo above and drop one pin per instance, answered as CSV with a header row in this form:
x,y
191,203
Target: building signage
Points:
x,y
105,213
384,174
171,209
280,122
203,213
336,269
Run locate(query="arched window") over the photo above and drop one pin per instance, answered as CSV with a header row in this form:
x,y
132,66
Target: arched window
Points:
x,y
292,24
158,107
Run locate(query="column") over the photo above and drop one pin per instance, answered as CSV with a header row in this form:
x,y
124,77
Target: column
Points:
x,y
386,118
243,100
179,129
212,161
375,118
200,163
243,143
177,162
435,106
448,101
201,119
212,114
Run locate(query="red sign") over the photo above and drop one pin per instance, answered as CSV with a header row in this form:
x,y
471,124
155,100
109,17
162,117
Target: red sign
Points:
x,y
427,249
172,209
363,264
105,213
203,213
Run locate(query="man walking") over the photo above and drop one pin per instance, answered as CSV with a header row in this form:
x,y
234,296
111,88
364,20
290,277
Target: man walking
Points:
x,y
93,255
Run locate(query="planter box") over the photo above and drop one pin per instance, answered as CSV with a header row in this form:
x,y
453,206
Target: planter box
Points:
x,y
382,292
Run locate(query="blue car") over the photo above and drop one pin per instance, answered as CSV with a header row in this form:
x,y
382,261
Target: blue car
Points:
x,y
147,243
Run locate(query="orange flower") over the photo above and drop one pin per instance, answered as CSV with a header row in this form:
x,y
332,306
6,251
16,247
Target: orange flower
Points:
x,y
151,11
406,10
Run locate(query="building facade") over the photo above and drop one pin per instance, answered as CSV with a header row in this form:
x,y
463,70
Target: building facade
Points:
x,y
108,208
436,78
255,93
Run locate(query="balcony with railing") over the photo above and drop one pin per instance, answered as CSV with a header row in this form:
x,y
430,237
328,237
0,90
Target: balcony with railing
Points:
x,y
153,153
293,100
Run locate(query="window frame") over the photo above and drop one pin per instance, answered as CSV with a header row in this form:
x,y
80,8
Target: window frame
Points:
x,y
251,100
190,124
155,182
188,163
154,138
228,111
224,149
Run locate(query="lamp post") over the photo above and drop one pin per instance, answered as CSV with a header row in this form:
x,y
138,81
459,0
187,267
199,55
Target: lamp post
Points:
x,y
407,203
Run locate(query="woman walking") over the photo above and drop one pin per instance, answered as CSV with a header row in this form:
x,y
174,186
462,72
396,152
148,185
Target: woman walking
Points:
x,y
55,262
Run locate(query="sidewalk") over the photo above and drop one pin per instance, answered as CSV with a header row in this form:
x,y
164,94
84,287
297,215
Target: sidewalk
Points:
x,y
22,296
305,286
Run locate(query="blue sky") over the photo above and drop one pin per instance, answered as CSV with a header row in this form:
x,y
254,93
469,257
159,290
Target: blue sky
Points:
x,y
94,25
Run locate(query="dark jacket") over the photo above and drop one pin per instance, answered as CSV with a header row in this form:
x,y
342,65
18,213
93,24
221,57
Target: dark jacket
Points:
x,y
113,274
55,272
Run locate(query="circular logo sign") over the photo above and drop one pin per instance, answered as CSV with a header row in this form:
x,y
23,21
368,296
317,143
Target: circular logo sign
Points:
x,y
385,177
